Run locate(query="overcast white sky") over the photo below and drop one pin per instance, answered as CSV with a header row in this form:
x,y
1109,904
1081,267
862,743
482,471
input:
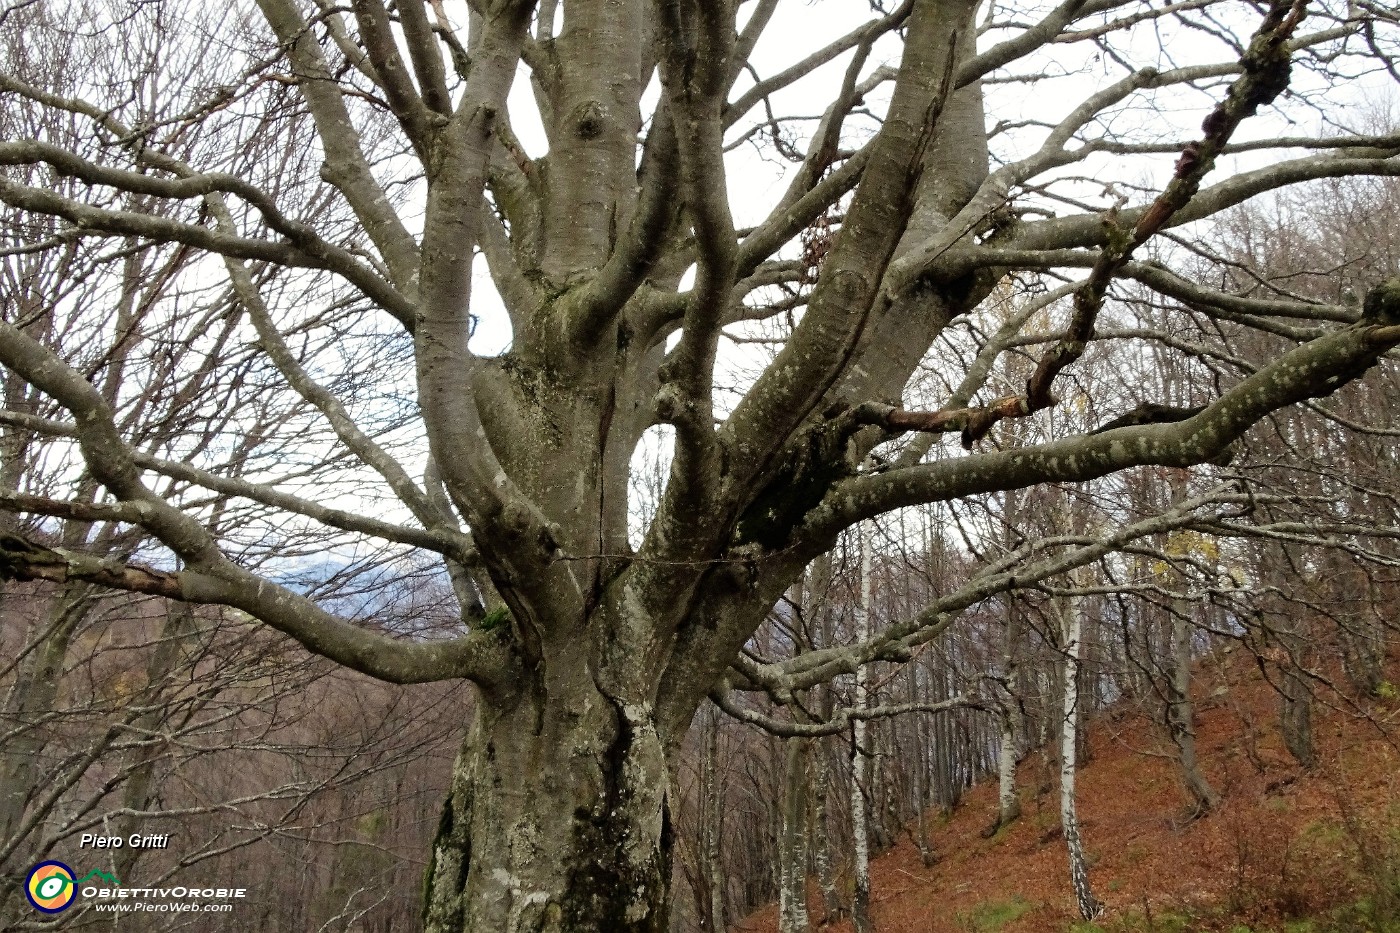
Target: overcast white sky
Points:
x,y
802,26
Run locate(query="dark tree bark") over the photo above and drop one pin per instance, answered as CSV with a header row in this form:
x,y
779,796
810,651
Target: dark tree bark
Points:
x,y
1181,719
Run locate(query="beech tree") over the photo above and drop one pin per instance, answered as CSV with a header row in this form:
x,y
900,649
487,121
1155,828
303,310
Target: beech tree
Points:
x,y
340,169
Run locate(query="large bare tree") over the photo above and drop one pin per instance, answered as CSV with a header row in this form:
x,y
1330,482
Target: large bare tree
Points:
x,y
339,169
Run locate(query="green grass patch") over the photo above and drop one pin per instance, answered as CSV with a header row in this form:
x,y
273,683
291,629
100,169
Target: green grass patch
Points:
x,y
990,916
1136,922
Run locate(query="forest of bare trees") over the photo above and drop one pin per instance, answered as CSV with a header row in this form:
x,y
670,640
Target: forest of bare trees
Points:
x,y
610,465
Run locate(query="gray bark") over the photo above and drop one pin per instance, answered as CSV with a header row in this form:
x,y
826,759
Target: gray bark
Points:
x,y
792,849
917,769
1181,712
1011,716
823,846
29,706
1361,629
1089,907
860,761
824,841
711,871
558,819
1008,754
1295,690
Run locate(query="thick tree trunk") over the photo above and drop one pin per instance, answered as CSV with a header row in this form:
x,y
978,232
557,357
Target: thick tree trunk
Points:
x,y
558,819
1363,651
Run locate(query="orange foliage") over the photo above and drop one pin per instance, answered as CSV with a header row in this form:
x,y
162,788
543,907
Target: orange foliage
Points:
x,y
1283,843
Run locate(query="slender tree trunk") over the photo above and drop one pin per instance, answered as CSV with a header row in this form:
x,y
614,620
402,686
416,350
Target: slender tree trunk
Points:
x,y
1089,907
1051,696
1181,713
860,843
823,846
918,773
860,838
1360,631
1295,712
713,830
29,702
823,843
881,787
1008,752
920,726
136,795
792,864
1296,715
1008,801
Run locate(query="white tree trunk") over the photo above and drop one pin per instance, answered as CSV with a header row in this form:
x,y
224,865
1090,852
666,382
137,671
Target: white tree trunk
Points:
x,y
860,843
792,856
823,845
1008,803
1089,907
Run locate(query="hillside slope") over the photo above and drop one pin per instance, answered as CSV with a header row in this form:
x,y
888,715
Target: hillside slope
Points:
x,y
1288,850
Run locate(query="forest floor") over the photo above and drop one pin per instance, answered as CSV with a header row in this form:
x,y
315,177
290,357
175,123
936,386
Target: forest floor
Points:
x,y
1288,850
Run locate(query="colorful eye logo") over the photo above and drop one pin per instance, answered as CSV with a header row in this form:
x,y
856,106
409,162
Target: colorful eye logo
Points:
x,y
50,887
